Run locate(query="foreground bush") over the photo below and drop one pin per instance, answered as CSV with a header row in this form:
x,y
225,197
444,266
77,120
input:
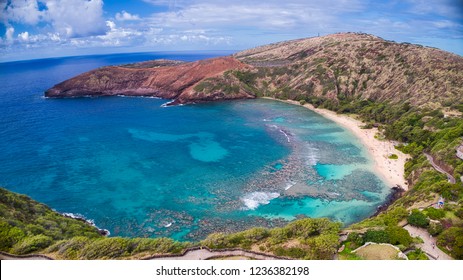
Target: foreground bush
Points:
x,y
417,218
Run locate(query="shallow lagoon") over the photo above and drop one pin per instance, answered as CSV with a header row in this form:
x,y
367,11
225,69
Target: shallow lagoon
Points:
x,y
139,169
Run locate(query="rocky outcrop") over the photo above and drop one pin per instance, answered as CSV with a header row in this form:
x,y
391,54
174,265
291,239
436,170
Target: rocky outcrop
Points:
x,y
164,79
343,66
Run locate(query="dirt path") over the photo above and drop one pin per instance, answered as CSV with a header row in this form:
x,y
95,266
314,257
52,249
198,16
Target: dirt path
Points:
x,y
439,169
429,243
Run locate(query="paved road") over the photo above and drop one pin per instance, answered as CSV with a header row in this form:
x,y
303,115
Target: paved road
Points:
x,y
4,256
438,168
205,254
429,243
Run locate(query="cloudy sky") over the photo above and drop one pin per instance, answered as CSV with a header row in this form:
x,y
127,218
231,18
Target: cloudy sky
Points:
x,y
50,28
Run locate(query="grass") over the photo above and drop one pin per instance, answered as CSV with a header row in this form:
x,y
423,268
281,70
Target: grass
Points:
x,y
377,252
393,156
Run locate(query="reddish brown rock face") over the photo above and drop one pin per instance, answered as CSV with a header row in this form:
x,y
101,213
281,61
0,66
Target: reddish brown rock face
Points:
x,y
344,66
170,82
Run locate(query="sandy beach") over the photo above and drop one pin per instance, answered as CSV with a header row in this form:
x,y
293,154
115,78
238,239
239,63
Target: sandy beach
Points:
x,y
390,170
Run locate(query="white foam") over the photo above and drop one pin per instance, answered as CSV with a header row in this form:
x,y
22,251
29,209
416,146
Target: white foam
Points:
x,y
167,104
312,156
289,185
255,199
78,216
81,217
287,137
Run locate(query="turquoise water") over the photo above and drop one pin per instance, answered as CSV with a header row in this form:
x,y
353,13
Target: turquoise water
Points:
x,y
139,169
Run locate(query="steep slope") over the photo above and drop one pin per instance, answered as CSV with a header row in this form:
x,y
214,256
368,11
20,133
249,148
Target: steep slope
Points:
x,y
357,66
169,80
344,66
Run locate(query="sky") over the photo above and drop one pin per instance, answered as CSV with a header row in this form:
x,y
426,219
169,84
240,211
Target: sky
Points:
x,y
31,29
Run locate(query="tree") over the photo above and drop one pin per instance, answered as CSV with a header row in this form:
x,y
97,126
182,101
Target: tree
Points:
x,y
399,236
417,218
377,236
452,238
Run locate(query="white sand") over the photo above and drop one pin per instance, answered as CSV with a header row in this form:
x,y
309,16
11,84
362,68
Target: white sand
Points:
x,y
390,170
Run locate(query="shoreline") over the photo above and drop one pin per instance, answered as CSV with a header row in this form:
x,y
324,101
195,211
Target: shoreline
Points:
x,y
390,170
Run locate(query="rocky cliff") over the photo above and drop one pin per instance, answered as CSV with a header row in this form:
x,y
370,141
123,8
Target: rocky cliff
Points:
x,y
334,67
164,79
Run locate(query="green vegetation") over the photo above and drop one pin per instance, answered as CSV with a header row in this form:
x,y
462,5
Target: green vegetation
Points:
x,y
417,254
378,252
418,219
393,156
114,247
452,239
301,239
30,227
346,78
27,226
434,214
212,85
421,130
392,234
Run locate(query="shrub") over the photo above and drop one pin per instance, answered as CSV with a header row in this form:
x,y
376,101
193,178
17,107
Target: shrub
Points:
x,y
399,236
417,254
32,244
435,228
292,252
9,236
394,216
417,218
452,238
434,214
451,191
278,235
323,246
216,241
158,245
355,240
377,236
459,213
108,248
70,249
307,228
393,156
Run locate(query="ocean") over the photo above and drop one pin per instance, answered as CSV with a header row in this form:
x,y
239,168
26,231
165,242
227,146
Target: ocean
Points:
x,y
139,169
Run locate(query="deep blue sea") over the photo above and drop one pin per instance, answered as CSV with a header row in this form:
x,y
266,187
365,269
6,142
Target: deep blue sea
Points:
x,y
139,169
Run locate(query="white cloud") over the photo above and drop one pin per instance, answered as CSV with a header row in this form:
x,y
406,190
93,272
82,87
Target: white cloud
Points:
x,y
54,37
9,34
75,18
23,11
268,15
116,36
70,18
125,16
446,24
111,25
24,36
222,24
445,8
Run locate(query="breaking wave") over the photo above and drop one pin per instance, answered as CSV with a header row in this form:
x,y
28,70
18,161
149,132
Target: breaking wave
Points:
x,y
255,199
